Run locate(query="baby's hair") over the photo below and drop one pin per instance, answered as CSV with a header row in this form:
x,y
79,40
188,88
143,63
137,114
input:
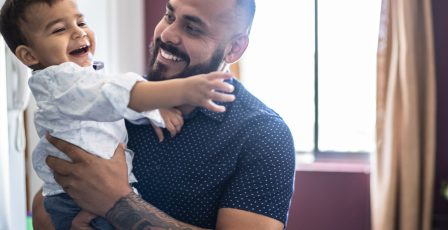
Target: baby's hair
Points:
x,y
12,15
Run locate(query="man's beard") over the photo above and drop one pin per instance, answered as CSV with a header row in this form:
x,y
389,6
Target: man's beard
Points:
x,y
157,72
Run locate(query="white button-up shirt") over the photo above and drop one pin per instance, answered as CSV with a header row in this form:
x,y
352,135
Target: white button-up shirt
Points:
x,y
86,108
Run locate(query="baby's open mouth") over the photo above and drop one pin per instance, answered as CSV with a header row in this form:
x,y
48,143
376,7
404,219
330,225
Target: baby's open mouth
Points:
x,y
80,51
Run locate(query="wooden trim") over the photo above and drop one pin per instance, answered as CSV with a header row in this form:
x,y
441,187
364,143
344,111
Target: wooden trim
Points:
x,y
235,69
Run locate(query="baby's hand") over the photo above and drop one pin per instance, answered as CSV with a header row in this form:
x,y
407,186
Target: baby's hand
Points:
x,y
173,122
202,90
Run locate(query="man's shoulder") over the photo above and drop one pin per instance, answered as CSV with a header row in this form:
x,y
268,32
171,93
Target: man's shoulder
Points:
x,y
256,118
252,107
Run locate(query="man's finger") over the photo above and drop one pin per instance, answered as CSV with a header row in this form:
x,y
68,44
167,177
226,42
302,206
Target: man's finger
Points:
x,y
74,152
60,166
82,221
119,153
62,180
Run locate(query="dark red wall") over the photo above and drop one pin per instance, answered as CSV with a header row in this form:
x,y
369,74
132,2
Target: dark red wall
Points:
x,y
154,10
330,196
440,16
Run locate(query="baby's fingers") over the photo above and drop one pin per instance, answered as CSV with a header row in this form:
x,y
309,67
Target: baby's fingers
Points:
x,y
217,96
158,132
210,105
222,86
219,75
222,97
171,127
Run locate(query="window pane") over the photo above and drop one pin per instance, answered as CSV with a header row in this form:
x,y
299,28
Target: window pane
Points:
x,y
278,66
348,35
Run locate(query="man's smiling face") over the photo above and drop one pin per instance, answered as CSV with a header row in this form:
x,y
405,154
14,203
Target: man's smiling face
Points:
x,y
192,38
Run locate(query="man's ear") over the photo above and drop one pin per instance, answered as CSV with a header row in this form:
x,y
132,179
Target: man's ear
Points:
x,y
26,55
237,48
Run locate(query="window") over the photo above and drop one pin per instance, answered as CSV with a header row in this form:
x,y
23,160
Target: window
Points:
x,y
319,75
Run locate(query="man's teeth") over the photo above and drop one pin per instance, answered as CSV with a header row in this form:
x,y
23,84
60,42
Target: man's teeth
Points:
x,y
169,56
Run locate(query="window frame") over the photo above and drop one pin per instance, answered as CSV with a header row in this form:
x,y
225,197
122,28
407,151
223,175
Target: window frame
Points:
x,y
327,156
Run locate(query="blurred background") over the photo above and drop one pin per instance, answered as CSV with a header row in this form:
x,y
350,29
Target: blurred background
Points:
x,y
314,62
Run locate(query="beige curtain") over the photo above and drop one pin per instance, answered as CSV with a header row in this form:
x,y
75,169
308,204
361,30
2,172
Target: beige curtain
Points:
x,y
403,167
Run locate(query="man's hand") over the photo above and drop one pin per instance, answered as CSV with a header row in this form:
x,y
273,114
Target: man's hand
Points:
x,y
94,183
82,221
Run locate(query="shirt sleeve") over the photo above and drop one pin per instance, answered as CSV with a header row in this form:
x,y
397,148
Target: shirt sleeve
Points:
x,y
145,117
83,94
264,179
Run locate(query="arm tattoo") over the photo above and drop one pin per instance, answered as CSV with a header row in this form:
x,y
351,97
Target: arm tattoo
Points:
x,y
132,212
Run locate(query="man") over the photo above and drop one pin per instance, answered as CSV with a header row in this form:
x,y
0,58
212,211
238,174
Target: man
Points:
x,y
226,171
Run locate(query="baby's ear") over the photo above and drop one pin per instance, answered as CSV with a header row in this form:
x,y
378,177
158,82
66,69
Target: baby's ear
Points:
x,y
26,56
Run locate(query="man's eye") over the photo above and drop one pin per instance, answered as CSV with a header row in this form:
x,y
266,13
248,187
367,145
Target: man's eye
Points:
x,y
59,30
169,18
192,30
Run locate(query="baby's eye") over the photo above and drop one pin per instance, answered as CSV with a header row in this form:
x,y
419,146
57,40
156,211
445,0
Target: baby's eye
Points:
x,y
59,30
82,24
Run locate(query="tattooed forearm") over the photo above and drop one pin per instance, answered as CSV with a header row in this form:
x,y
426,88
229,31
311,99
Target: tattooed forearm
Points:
x,y
132,212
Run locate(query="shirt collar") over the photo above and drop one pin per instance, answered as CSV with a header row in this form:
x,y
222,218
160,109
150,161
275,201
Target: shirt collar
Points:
x,y
214,115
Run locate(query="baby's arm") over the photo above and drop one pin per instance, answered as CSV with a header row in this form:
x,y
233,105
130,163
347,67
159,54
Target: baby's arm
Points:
x,y
82,94
200,90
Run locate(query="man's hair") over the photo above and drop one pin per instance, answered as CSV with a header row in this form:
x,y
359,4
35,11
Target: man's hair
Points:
x,y
247,9
11,16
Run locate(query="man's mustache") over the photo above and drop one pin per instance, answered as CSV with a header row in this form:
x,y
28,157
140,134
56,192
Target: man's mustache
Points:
x,y
173,50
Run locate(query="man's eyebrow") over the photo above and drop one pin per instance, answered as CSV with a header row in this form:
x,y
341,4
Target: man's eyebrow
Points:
x,y
189,18
195,20
169,6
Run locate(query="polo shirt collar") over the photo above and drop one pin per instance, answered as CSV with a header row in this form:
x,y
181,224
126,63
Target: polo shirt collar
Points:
x,y
212,115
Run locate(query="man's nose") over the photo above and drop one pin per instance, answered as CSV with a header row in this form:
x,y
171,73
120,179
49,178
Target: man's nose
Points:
x,y
171,35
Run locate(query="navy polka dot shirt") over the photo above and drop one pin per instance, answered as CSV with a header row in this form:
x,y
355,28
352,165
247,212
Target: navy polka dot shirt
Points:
x,y
243,159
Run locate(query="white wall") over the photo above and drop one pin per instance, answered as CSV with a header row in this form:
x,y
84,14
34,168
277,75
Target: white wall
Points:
x,y
13,99
4,149
119,29
126,35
